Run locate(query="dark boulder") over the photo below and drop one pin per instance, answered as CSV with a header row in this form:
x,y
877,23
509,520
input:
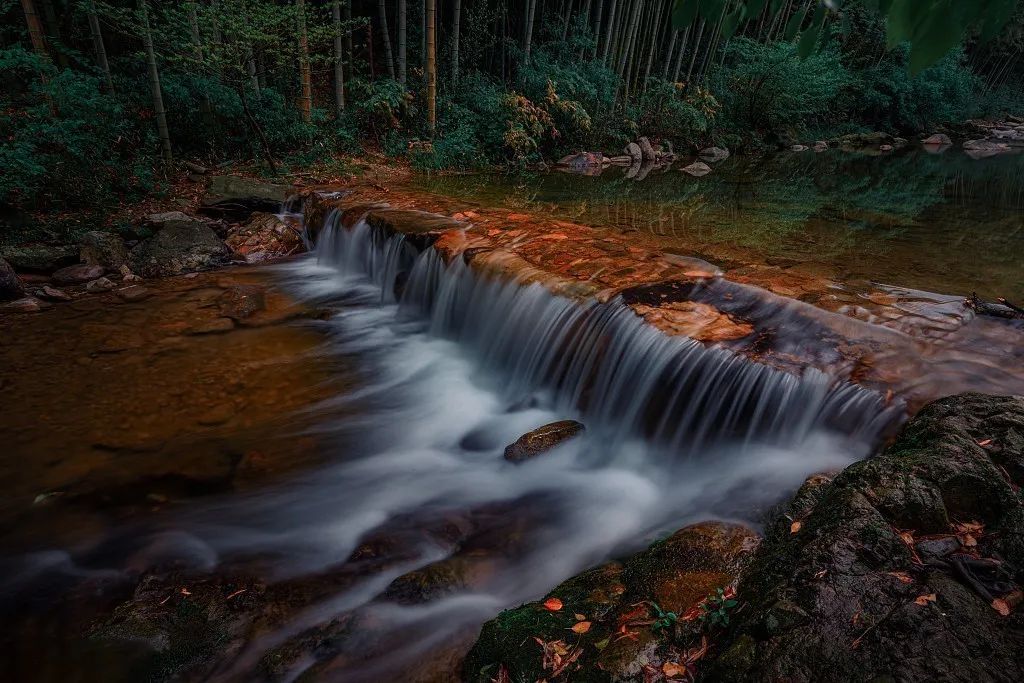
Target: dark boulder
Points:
x,y
181,244
542,439
237,198
10,285
39,258
905,567
103,249
265,237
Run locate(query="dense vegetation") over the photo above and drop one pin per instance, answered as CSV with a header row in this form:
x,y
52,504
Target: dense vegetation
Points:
x,y
95,93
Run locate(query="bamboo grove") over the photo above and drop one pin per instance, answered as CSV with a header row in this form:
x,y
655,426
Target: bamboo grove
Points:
x,y
499,80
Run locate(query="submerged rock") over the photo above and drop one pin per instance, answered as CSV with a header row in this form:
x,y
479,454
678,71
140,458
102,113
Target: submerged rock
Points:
x,y
53,294
76,275
100,285
714,154
10,285
103,249
905,567
542,439
937,140
798,148
181,244
697,169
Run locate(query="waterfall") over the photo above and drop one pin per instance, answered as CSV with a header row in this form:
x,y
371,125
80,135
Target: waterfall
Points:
x,y
624,376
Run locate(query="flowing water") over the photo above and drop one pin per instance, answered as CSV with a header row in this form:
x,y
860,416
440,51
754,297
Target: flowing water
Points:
x,y
380,560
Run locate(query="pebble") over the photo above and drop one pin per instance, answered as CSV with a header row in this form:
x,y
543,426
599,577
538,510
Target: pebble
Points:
x,y
100,285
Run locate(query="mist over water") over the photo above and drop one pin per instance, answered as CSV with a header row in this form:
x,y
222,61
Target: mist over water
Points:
x,y
453,368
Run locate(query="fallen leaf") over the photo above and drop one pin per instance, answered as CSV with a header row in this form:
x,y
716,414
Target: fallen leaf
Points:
x,y
794,527
236,593
503,675
693,613
1000,606
902,576
985,442
821,574
908,537
925,599
602,644
968,541
671,669
729,593
581,627
185,591
579,617
553,604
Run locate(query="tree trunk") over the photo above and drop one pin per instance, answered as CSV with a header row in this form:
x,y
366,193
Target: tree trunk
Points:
x,y
431,67
387,38
679,57
35,29
597,28
205,106
98,46
306,98
259,131
608,34
348,36
53,30
531,8
154,85
339,73
401,41
655,34
696,49
455,42
250,67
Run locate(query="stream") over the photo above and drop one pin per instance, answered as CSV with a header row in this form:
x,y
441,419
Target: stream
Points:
x,y
367,501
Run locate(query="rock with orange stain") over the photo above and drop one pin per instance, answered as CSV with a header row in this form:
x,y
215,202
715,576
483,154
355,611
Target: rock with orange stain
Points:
x,y
695,320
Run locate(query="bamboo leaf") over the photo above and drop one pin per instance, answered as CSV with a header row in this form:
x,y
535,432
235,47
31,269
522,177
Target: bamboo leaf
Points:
x,y
684,12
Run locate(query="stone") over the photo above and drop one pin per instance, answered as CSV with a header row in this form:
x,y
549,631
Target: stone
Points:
x,y
241,301
181,244
265,237
984,148
26,304
798,148
237,197
53,294
542,439
846,595
133,293
937,140
100,285
714,154
39,258
646,150
103,249
885,148
128,276
76,275
860,141
820,146
633,151
697,169
11,286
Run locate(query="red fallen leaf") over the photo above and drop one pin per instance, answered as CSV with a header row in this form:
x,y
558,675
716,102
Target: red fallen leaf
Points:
x,y
925,599
503,675
902,576
984,442
581,627
579,617
693,613
729,593
553,604
1000,606
671,669
968,541
795,527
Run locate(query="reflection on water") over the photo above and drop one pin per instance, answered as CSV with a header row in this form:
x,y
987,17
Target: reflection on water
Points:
x,y
943,223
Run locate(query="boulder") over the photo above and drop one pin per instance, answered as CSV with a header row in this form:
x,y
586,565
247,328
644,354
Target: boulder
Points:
x,y
714,154
53,294
26,304
904,567
981,149
542,439
798,148
820,146
265,237
76,275
99,285
633,151
10,285
697,169
621,621
103,249
39,258
181,244
646,150
859,141
236,197
937,140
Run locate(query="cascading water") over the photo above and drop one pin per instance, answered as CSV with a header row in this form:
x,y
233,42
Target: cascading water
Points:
x,y
455,365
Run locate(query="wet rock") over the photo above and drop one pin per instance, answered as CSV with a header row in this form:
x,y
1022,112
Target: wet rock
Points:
x,y
53,294
981,149
103,249
864,578
937,140
234,197
438,579
25,305
128,276
181,244
542,439
76,275
10,285
133,293
100,285
697,169
646,150
820,146
673,575
859,141
714,154
241,301
885,148
798,148
39,258
583,160
263,238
